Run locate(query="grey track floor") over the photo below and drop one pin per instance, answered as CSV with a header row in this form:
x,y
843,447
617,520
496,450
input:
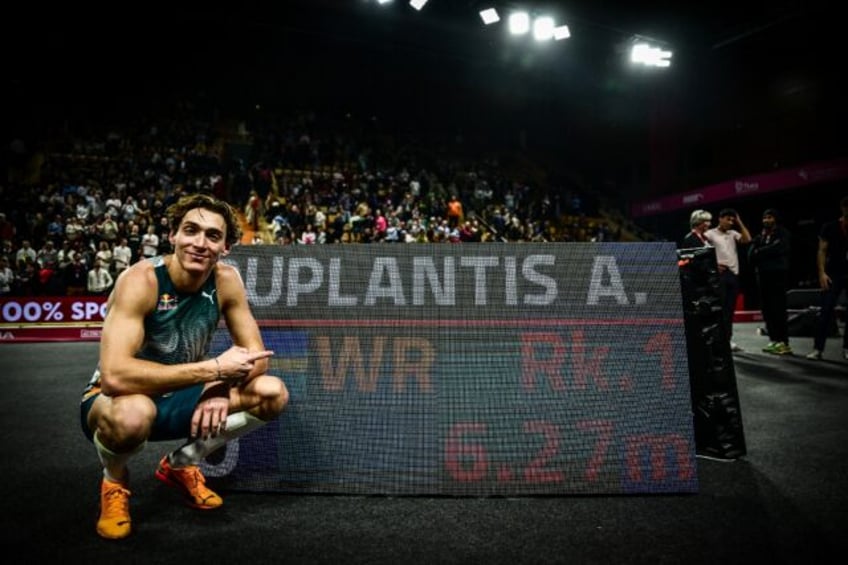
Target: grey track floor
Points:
x,y
784,502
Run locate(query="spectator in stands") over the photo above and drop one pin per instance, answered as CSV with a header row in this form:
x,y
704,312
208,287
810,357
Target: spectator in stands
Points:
x,y
121,257
76,276
725,239
26,279
37,225
150,243
832,264
105,255
143,214
699,223
25,254
82,209
455,212
91,243
48,254
74,229
134,242
7,277
308,236
65,255
143,391
129,210
253,210
381,225
56,230
162,230
51,281
769,257
99,280
108,228
113,204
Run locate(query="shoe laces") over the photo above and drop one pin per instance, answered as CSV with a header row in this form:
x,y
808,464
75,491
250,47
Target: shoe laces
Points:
x,y
117,500
193,477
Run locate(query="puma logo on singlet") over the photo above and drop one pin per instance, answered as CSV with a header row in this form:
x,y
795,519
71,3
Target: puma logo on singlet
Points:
x,y
209,295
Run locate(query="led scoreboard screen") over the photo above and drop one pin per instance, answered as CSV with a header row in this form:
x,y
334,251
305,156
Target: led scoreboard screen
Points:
x,y
469,369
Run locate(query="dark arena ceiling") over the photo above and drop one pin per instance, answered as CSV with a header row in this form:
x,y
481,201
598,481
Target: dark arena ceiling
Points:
x,y
736,65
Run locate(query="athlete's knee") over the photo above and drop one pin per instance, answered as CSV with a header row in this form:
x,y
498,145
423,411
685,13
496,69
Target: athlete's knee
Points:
x,y
274,396
128,420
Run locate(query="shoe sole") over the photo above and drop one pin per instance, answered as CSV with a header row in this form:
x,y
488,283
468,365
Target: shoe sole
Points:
x,y
187,498
107,536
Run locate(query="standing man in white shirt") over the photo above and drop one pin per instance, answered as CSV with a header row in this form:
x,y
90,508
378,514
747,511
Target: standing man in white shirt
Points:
x,y
121,257
726,239
99,280
150,243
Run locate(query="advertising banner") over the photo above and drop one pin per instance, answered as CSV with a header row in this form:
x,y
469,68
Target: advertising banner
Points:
x,y
51,318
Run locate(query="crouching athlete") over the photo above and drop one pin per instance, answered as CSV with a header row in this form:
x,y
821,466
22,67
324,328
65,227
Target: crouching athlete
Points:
x,y
155,380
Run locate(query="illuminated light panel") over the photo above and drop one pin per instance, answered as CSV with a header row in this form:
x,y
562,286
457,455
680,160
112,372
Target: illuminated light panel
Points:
x,y
644,54
519,23
543,28
489,16
561,32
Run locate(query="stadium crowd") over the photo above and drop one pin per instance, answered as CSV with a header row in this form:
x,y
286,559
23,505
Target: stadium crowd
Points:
x,y
74,215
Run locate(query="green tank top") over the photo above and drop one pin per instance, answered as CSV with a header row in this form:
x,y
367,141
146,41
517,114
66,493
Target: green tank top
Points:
x,y
181,328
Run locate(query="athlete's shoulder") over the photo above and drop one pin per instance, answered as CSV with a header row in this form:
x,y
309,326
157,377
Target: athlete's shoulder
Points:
x,y
140,271
228,281
226,273
137,281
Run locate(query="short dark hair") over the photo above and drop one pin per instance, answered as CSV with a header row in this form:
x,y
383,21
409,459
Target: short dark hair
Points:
x,y
772,212
727,212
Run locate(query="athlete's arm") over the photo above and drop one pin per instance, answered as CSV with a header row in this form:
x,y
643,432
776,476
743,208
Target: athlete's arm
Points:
x,y
134,296
241,324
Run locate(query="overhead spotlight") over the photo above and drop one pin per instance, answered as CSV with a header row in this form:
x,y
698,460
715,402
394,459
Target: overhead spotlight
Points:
x,y
543,28
561,32
489,16
644,54
519,23
417,4
381,2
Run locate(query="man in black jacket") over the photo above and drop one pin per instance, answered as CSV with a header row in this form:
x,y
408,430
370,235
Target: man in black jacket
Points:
x,y
699,222
832,265
769,256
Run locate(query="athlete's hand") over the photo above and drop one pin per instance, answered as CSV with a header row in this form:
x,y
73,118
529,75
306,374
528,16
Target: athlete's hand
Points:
x,y
236,363
210,416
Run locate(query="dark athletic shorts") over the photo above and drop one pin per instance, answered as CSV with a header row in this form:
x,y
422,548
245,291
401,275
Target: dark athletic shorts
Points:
x,y
173,413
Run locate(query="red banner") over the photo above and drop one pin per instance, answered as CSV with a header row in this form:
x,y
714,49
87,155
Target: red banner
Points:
x,y
51,318
36,333
809,174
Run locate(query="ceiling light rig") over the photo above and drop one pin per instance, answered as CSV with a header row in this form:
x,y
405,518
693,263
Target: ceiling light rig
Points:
x,y
520,22
543,27
643,53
